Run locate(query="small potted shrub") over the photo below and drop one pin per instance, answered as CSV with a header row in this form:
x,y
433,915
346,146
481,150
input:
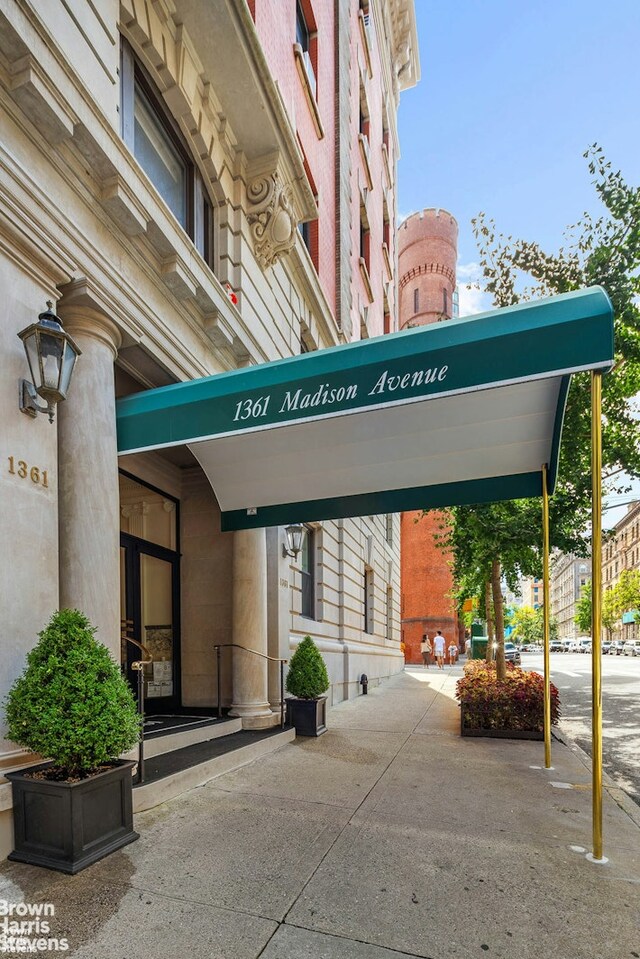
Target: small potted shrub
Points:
x,y
73,706
307,680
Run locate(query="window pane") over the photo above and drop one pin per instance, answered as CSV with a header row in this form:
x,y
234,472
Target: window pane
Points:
x,y
147,514
302,30
156,598
159,158
306,566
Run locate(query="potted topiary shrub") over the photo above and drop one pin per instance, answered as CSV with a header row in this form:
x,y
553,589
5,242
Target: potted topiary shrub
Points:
x,y
307,680
73,706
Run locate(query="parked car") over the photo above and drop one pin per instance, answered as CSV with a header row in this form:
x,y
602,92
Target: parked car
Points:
x,y
616,648
556,646
584,644
567,645
631,648
606,647
512,653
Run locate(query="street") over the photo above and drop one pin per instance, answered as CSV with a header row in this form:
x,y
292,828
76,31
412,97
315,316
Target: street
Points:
x,y
571,673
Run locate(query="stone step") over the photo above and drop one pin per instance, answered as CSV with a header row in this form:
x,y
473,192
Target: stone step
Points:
x,y
158,743
170,774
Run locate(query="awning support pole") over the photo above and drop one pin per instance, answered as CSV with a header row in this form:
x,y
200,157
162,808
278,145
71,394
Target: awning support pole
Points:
x,y
596,611
545,619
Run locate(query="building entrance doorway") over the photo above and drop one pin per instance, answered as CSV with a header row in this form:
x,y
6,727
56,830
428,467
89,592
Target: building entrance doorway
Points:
x,y
150,592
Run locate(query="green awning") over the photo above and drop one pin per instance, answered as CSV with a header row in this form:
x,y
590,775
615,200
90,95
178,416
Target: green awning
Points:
x,y
465,411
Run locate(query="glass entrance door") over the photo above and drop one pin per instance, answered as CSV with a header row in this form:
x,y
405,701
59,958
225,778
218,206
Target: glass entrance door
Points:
x,y
150,589
149,605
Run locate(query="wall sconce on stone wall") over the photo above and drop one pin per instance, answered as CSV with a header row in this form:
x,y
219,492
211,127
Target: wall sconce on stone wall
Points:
x,y
51,355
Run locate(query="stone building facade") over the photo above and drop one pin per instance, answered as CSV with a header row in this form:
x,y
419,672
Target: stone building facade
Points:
x,y
427,253
569,575
196,187
531,589
621,551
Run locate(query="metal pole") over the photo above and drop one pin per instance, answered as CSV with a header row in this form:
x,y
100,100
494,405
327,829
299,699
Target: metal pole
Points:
x,y
141,711
596,611
282,693
218,681
545,610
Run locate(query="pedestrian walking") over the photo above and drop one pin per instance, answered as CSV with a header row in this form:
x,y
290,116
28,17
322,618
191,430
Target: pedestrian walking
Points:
x,y
453,653
425,649
439,648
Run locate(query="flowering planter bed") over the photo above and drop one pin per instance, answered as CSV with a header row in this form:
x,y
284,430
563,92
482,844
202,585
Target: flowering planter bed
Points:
x,y
510,709
500,733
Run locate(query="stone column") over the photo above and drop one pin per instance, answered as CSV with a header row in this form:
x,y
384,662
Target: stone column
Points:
x,y
89,501
250,692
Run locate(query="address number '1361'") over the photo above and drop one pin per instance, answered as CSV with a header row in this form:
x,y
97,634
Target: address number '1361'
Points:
x,y
23,470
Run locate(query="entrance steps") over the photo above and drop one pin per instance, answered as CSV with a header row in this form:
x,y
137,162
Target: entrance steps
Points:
x,y
180,759
162,736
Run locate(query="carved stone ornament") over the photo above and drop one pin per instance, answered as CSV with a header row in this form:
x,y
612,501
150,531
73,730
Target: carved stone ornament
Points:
x,y
272,218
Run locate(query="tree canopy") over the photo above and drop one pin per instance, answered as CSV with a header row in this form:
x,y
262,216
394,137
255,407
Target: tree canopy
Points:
x,y
623,597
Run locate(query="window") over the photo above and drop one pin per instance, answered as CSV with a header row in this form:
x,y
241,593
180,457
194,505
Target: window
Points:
x,y
368,599
307,43
389,612
157,144
302,30
445,301
416,300
307,568
363,123
389,528
305,233
365,245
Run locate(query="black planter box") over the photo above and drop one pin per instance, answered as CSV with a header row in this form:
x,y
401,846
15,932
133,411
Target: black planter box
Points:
x,y
69,826
309,716
501,733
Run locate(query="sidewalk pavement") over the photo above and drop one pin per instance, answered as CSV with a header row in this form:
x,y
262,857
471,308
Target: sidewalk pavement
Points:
x,y
390,836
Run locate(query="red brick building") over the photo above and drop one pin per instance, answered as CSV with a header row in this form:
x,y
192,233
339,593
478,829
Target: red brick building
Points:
x,y
427,252
342,98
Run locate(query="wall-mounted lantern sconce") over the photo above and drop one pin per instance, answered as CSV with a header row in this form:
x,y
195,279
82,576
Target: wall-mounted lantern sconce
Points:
x,y
294,534
51,355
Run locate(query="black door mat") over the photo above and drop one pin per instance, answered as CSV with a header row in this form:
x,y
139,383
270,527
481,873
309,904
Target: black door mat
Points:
x,y
159,767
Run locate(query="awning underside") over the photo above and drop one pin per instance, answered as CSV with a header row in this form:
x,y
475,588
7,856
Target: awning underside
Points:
x,y
461,412
433,443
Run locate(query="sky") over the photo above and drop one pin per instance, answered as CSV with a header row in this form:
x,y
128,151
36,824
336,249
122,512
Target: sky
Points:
x,y
511,95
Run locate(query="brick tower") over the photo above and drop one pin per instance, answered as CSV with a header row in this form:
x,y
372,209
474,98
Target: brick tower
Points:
x,y
427,253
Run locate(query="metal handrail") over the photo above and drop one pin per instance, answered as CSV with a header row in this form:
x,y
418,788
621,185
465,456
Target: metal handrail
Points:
x,y
138,665
273,659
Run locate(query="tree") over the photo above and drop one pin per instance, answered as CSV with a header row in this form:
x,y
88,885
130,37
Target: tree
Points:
x,y
610,610
491,539
622,597
628,591
583,610
529,625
